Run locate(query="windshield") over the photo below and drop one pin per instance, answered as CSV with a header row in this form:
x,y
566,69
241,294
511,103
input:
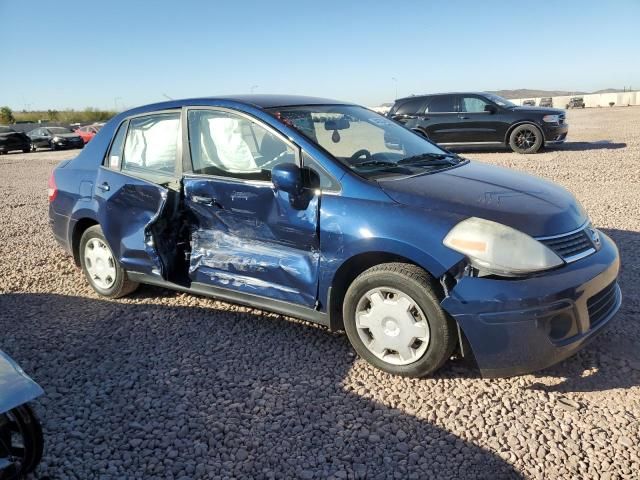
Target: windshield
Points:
x,y
503,102
59,130
365,141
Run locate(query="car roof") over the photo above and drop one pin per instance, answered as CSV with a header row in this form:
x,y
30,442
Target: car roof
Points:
x,y
422,95
261,101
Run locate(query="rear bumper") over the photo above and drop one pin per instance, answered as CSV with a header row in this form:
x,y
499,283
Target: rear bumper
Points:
x,y
519,326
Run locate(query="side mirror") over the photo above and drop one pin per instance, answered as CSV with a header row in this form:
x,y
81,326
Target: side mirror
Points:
x,y
288,178
490,108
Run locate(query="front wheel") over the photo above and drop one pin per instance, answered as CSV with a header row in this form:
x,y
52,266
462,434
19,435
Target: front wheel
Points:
x,y
21,443
393,319
101,268
526,139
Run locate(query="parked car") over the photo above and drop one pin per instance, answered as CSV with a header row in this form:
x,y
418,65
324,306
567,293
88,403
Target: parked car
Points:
x,y
54,138
529,103
88,132
21,441
330,212
576,102
546,102
472,119
11,140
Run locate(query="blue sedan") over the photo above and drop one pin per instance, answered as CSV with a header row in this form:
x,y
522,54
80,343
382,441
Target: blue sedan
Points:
x,y
329,212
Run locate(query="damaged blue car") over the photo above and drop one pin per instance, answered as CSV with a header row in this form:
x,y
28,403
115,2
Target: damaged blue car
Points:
x,y
329,212
21,441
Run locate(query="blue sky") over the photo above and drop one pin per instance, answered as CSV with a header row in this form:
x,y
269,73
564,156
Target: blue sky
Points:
x,y
125,53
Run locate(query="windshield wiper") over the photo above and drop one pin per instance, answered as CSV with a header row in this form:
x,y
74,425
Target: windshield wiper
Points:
x,y
432,158
374,163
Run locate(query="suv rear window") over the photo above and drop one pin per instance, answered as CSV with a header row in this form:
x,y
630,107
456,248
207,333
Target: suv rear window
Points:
x,y
411,107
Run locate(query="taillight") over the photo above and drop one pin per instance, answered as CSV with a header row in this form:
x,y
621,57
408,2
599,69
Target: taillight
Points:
x,y
52,190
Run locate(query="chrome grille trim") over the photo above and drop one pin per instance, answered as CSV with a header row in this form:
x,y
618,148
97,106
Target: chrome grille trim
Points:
x,y
571,246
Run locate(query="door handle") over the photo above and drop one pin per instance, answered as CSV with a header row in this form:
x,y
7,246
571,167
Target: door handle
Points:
x,y
463,117
104,186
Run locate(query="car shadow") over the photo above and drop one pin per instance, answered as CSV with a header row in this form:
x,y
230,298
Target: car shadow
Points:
x,y
612,360
585,146
153,388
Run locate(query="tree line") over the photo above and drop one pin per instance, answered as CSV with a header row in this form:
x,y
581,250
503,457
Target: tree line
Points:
x,y
88,115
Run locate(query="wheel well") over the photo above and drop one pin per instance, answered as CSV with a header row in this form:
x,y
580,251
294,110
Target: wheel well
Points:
x,y
513,127
78,230
347,273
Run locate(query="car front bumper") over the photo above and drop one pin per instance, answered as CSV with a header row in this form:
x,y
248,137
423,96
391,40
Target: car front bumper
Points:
x,y
555,134
516,326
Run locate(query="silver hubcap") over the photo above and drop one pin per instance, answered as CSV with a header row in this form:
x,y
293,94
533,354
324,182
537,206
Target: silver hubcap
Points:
x,y
99,263
392,326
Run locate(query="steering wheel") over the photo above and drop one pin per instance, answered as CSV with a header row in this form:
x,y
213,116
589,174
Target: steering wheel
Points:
x,y
362,152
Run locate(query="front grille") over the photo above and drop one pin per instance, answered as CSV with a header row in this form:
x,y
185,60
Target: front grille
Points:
x,y
602,303
572,246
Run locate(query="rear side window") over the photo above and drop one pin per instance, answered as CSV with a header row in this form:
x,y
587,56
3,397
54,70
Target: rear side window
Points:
x,y
441,104
151,144
472,104
411,107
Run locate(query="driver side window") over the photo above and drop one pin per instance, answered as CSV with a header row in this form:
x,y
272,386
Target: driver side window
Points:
x,y
230,145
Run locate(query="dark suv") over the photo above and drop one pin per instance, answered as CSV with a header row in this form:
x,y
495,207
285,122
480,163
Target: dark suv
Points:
x,y
458,119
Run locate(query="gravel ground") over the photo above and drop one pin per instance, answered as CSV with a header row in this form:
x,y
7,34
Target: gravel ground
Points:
x,y
168,385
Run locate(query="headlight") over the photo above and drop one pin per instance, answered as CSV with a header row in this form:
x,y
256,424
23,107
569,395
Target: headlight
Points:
x,y
551,118
57,139
500,249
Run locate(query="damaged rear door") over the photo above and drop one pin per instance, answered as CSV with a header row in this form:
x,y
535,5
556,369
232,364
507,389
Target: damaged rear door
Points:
x,y
247,236
136,187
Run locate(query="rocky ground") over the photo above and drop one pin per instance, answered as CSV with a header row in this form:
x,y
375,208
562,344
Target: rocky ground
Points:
x,y
169,385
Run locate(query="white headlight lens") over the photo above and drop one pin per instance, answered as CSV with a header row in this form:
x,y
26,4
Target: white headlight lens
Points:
x,y
500,249
551,118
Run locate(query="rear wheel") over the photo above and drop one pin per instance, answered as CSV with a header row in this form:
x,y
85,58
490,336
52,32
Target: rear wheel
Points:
x,y
101,268
21,443
393,319
526,139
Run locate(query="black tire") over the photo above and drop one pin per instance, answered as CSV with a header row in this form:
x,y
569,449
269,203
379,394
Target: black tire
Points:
x,y
26,150
121,285
53,146
20,424
415,282
526,138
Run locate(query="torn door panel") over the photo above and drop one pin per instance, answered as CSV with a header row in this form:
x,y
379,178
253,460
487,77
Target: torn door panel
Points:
x,y
250,238
271,270
127,213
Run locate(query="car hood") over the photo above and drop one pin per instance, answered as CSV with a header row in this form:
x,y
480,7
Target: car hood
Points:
x,y
529,204
540,110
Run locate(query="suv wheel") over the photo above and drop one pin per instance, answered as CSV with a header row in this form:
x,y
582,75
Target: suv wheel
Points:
x,y
525,139
393,319
103,271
